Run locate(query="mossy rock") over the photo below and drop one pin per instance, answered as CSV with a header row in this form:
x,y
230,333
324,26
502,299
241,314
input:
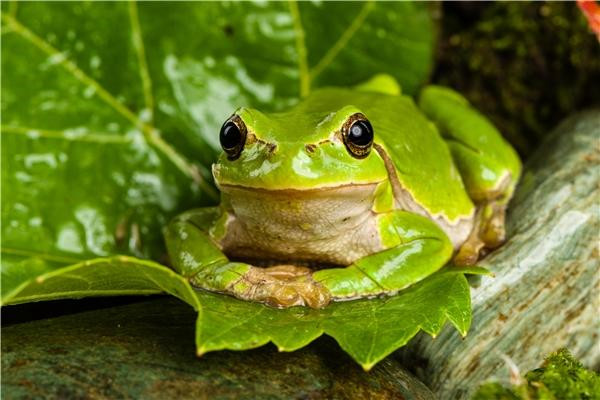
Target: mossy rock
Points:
x,y
525,65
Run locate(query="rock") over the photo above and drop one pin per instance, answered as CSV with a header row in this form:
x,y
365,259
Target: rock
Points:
x,y
146,350
546,289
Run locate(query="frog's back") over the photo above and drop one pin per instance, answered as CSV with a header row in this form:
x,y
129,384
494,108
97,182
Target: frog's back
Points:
x,y
424,169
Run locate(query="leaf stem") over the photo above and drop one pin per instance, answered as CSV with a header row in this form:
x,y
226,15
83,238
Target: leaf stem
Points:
x,y
44,256
96,137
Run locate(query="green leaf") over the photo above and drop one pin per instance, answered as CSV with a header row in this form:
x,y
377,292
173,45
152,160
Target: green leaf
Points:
x,y
368,330
119,275
110,111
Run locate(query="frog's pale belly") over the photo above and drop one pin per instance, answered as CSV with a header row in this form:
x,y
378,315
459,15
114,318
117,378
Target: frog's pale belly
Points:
x,y
329,226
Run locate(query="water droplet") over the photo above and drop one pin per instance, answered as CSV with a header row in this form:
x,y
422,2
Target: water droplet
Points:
x,y
33,134
147,187
74,133
113,127
145,115
56,58
118,178
35,221
95,62
209,61
68,239
23,177
20,207
40,158
97,237
166,107
48,105
89,91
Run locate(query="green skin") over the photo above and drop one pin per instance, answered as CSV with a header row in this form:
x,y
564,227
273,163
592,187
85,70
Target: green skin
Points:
x,y
434,185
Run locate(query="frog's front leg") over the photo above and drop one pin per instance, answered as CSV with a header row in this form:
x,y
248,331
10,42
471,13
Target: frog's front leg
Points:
x,y
416,248
195,255
489,166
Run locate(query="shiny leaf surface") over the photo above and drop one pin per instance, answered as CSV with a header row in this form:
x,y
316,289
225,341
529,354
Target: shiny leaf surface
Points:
x,y
110,116
368,329
110,111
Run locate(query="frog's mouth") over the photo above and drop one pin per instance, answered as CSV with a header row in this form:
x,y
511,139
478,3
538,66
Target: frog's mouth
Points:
x,y
331,225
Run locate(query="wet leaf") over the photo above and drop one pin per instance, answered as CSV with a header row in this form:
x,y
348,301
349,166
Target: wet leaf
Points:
x,y
110,111
368,330
109,121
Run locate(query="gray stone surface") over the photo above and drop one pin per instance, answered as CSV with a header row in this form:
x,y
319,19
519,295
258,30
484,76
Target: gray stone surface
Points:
x,y
545,293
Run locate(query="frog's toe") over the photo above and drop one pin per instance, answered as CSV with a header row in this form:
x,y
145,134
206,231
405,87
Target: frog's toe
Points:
x,y
488,233
281,296
299,291
493,233
282,286
468,254
314,295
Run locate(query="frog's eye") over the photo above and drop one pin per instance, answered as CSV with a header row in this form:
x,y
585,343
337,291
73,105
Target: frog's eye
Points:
x,y
357,133
233,137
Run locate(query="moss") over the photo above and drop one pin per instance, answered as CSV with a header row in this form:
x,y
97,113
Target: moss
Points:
x,y
526,65
560,377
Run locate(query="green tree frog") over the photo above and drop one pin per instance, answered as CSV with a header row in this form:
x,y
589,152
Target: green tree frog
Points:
x,y
352,193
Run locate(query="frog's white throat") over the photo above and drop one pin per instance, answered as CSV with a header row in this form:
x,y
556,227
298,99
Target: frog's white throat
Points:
x,y
333,225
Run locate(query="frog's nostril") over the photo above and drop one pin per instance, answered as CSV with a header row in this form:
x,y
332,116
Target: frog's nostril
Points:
x,y
310,148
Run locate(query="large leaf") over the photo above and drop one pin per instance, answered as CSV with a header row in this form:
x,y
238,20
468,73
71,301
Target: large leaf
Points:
x,y
368,329
109,121
110,110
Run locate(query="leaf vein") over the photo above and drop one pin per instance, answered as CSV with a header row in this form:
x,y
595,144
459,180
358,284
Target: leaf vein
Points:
x,y
150,133
138,45
232,327
300,49
44,256
342,41
96,137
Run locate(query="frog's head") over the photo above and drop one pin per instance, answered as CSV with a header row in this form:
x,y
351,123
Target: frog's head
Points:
x,y
302,149
299,176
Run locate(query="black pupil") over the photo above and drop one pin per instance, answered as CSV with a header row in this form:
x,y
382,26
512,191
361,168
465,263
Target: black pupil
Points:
x,y
361,133
230,136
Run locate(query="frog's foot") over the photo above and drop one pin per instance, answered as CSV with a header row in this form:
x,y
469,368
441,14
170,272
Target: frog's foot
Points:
x,y
468,253
487,234
283,286
493,233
